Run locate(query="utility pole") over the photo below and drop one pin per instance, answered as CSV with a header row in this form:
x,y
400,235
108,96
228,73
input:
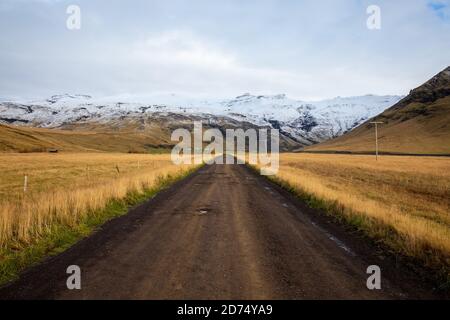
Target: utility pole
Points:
x,y
376,123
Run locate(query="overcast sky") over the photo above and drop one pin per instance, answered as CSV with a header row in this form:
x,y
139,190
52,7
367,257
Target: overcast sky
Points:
x,y
307,49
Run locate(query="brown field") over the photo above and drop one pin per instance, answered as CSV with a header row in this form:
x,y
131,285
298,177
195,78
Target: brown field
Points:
x,y
93,138
402,201
63,188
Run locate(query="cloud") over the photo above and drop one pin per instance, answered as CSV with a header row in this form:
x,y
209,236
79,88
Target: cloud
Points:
x,y
181,60
221,48
181,47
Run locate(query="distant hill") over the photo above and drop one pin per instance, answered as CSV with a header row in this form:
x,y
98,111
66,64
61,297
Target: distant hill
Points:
x,y
419,124
121,134
24,139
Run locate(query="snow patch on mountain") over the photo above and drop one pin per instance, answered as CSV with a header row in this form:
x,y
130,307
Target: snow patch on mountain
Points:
x,y
306,122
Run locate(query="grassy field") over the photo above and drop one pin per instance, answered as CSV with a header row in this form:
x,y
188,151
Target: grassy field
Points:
x,y
48,172
401,201
68,195
84,139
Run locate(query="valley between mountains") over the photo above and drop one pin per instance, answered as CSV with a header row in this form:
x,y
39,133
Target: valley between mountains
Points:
x,y
90,182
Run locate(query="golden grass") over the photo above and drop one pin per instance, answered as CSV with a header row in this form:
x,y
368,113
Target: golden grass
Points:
x,y
404,201
126,137
64,188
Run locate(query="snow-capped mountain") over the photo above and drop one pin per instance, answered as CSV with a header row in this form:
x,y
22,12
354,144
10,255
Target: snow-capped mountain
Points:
x,y
305,122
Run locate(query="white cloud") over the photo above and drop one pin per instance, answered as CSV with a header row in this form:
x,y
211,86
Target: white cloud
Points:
x,y
181,47
307,49
180,60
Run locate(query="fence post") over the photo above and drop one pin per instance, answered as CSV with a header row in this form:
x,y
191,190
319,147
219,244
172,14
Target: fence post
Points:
x,y
25,183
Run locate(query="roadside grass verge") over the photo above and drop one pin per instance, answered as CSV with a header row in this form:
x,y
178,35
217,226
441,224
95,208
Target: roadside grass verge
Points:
x,y
401,204
29,241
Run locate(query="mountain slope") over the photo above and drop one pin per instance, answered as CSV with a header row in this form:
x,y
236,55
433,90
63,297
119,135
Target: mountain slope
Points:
x,y
300,123
116,135
419,123
23,139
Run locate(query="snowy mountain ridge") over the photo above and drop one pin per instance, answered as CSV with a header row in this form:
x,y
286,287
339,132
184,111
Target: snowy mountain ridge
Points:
x,y
305,122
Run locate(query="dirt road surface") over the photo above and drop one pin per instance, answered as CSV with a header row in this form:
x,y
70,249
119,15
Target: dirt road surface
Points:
x,y
223,233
